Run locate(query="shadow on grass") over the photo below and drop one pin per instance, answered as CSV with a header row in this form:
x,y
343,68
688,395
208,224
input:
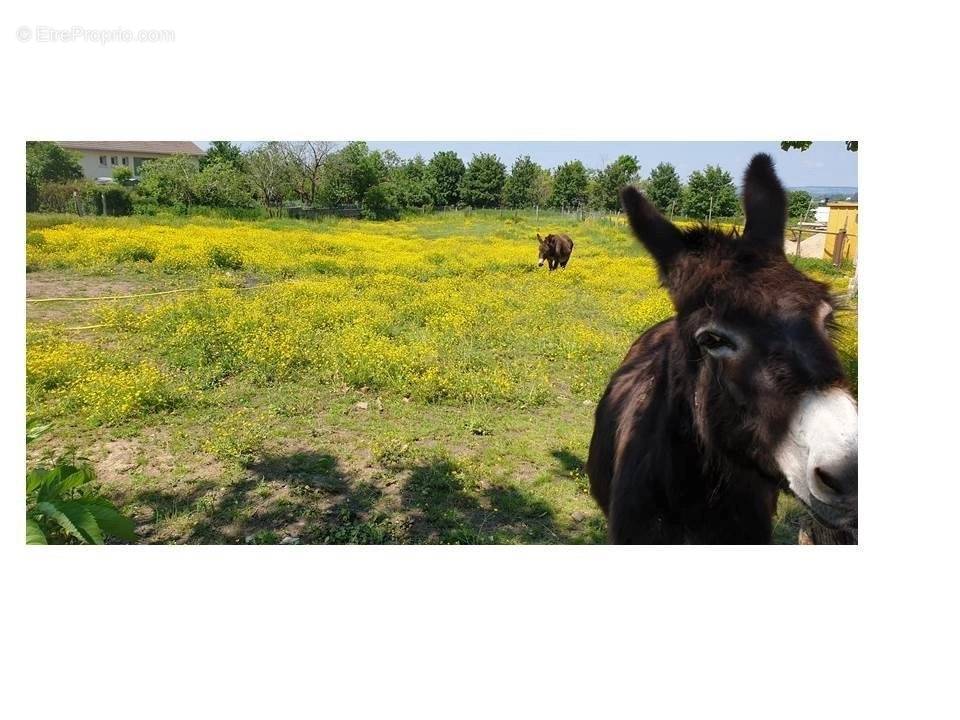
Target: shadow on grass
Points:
x,y
449,505
570,462
319,470
303,495
307,495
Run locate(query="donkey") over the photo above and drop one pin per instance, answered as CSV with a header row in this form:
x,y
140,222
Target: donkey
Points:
x,y
555,249
738,396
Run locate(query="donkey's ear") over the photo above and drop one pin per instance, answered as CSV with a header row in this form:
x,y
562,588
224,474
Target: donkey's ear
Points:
x,y
764,202
539,238
660,236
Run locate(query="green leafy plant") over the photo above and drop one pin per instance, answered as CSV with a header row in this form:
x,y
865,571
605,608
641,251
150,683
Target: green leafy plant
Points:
x,y
62,505
122,174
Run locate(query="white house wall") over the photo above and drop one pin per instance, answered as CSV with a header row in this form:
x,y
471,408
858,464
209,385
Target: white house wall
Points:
x,y
92,169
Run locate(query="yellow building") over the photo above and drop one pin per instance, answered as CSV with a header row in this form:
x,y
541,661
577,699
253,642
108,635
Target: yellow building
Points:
x,y
843,216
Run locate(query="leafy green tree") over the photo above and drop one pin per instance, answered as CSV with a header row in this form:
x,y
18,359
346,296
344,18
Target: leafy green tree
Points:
x,y
798,204
482,184
382,201
48,162
350,172
446,170
519,190
664,188
268,170
387,162
169,181
570,183
543,188
801,145
221,184
223,151
414,184
621,172
713,183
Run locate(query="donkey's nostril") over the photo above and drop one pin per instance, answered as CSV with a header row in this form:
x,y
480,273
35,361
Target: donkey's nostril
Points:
x,y
835,481
827,479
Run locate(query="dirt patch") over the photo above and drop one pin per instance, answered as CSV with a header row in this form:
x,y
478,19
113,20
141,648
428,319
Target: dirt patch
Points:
x,y
149,456
49,284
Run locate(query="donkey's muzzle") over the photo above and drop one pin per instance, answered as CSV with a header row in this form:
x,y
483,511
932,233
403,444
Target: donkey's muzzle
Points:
x,y
818,456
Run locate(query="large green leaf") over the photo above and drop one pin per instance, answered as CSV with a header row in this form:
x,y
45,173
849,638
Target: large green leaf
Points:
x,y
35,429
37,478
111,521
35,535
80,476
52,486
79,512
74,518
52,510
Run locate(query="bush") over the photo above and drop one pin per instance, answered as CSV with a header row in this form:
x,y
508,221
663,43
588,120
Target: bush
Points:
x,y
170,180
382,202
220,184
63,197
122,175
119,200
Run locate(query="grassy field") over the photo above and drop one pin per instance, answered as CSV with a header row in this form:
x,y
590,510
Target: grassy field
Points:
x,y
339,382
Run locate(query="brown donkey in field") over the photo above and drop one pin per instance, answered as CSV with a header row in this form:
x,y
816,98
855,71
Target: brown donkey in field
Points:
x,y
739,395
555,249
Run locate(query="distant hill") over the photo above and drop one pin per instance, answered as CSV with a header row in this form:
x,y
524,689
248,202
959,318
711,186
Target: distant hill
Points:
x,y
829,192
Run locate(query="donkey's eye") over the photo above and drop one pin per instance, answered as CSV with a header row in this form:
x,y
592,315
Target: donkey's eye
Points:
x,y
716,343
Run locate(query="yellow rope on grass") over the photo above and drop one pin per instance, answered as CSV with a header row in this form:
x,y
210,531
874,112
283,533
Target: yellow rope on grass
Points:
x,y
139,295
111,297
124,297
90,327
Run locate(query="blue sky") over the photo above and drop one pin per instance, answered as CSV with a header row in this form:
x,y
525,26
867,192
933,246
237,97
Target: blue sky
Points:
x,y
825,163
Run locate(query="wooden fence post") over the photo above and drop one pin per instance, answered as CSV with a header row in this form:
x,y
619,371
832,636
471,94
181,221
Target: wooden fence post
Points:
x,y
838,244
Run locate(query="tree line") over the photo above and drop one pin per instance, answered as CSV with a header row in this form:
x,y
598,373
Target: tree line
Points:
x,y
380,184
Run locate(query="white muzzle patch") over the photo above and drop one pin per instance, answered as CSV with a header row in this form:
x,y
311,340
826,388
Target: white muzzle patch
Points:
x,y
818,456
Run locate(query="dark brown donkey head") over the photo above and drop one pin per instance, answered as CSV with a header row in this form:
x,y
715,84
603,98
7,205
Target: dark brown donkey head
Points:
x,y
546,248
755,363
